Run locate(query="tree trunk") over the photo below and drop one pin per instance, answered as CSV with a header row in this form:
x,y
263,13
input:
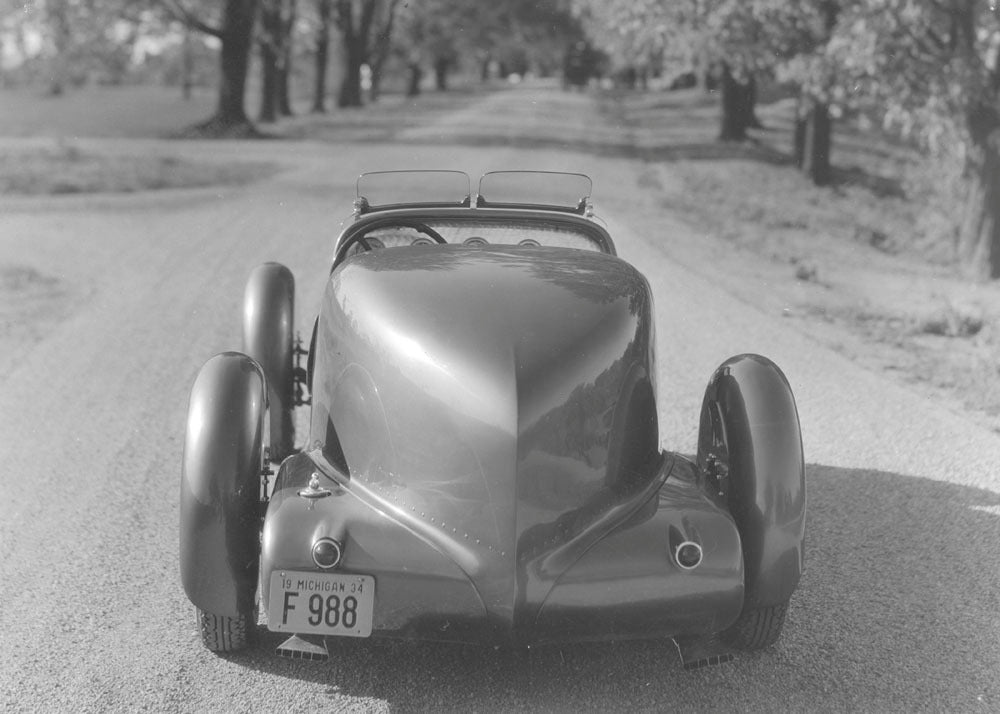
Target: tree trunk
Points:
x,y
816,143
710,76
270,31
276,19
57,17
285,62
735,103
187,65
416,74
380,52
268,86
799,137
813,124
322,56
441,66
282,91
752,121
237,40
350,86
979,233
356,39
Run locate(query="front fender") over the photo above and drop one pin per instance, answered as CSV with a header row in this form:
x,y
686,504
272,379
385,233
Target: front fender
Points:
x,y
220,485
749,404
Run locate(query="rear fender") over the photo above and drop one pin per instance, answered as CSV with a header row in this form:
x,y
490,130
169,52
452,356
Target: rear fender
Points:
x,y
749,424
220,485
268,337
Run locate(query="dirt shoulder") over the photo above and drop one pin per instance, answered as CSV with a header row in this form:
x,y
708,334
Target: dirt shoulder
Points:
x,y
860,266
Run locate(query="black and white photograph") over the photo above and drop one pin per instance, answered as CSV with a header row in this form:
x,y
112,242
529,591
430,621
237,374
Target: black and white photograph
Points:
x,y
499,356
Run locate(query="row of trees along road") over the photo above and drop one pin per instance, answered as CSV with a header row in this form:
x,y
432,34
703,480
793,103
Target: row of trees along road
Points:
x,y
370,31
99,38
928,69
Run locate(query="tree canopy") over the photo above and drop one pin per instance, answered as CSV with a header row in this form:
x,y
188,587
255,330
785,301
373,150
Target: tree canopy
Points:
x,y
925,69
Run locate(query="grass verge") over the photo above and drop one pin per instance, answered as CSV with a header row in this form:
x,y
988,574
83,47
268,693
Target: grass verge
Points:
x,y
865,265
66,169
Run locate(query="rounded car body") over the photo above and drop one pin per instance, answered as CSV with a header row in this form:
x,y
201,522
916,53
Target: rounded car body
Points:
x,y
482,462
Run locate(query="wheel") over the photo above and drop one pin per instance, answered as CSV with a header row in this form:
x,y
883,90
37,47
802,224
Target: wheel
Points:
x,y
268,330
750,450
757,629
220,633
220,502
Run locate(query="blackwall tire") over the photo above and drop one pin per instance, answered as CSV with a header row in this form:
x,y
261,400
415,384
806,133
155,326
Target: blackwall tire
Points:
x,y
220,633
750,448
219,534
757,629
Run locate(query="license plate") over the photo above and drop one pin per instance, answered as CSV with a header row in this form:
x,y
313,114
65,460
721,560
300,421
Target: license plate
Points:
x,y
333,604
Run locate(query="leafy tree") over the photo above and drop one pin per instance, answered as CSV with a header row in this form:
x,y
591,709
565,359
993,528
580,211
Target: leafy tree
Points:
x,y
17,21
434,30
790,39
323,10
741,38
930,68
355,20
285,67
81,41
528,34
643,33
519,34
688,34
60,22
382,47
233,26
535,34
277,17
182,59
361,24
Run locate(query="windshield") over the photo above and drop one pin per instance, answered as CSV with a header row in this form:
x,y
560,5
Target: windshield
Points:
x,y
537,188
389,188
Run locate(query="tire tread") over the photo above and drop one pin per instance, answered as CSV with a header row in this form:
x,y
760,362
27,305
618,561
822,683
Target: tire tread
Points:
x,y
758,628
221,633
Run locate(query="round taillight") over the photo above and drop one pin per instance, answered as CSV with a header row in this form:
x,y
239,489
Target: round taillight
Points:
x,y
326,553
688,555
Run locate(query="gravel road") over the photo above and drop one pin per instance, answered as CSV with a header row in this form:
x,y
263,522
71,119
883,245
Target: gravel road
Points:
x,y
125,299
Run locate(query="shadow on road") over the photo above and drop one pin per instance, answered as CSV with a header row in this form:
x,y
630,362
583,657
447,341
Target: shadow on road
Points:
x,y
898,609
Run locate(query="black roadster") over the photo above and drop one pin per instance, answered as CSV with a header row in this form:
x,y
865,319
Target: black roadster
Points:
x,y
482,462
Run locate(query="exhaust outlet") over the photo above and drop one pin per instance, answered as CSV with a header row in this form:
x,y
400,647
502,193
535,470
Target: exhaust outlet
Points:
x,y
688,555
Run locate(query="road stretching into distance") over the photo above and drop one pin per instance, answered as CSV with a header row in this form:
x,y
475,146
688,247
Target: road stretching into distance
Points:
x,y
899,608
